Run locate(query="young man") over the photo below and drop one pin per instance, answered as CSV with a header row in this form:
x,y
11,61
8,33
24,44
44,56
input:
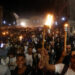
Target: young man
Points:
x,y
66,59
59,67
21,68
29,57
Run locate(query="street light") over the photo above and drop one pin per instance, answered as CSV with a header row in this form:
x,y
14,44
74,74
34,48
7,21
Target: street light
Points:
x,y
65,37
49,22
4,22
63,18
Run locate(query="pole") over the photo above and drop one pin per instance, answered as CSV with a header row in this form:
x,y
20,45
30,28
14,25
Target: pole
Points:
x,y
43,41
65,41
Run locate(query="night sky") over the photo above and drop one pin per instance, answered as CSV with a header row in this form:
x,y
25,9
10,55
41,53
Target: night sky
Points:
x,y
25,6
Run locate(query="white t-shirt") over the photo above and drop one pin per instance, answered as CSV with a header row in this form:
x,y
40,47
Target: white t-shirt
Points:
x,y
4,70
34,50
29,59
25,49
12,63
5,61
59,69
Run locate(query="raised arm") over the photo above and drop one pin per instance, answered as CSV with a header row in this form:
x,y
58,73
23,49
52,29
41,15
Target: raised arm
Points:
x,y
48,66
44,62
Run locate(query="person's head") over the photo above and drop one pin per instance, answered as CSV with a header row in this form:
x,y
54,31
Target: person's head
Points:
x,y
20,60
30,50
73,59
52,43
11,55
68,48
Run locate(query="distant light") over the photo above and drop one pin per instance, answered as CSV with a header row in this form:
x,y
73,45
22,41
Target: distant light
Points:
x,y
4,33
23,24
66,25
20,37
7,32
4,22
2,45
56,23
9,24
63,18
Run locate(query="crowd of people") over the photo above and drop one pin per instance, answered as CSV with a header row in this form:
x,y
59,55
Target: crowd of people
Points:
x,y
27,57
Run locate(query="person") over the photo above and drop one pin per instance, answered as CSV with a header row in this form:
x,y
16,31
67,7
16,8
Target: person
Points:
x,y
58,48
4,70
29,57
52,53
21,68
58,67
39,52
12,61
9,61
66,59
36,58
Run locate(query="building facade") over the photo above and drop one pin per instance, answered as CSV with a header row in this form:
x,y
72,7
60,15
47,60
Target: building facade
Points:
x,y
66,8
72,16
1,15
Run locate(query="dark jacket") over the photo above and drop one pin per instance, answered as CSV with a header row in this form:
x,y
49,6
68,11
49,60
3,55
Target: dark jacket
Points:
x,y
28,71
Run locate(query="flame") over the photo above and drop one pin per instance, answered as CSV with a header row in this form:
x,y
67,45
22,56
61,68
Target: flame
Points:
x,y
66,25
49,20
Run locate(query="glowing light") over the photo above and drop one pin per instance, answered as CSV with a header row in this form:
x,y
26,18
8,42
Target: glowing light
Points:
x,y
20,37
49,21
56,23
4,22
23,24
2,45
7,32
63,18
66,25
9,24
3,33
